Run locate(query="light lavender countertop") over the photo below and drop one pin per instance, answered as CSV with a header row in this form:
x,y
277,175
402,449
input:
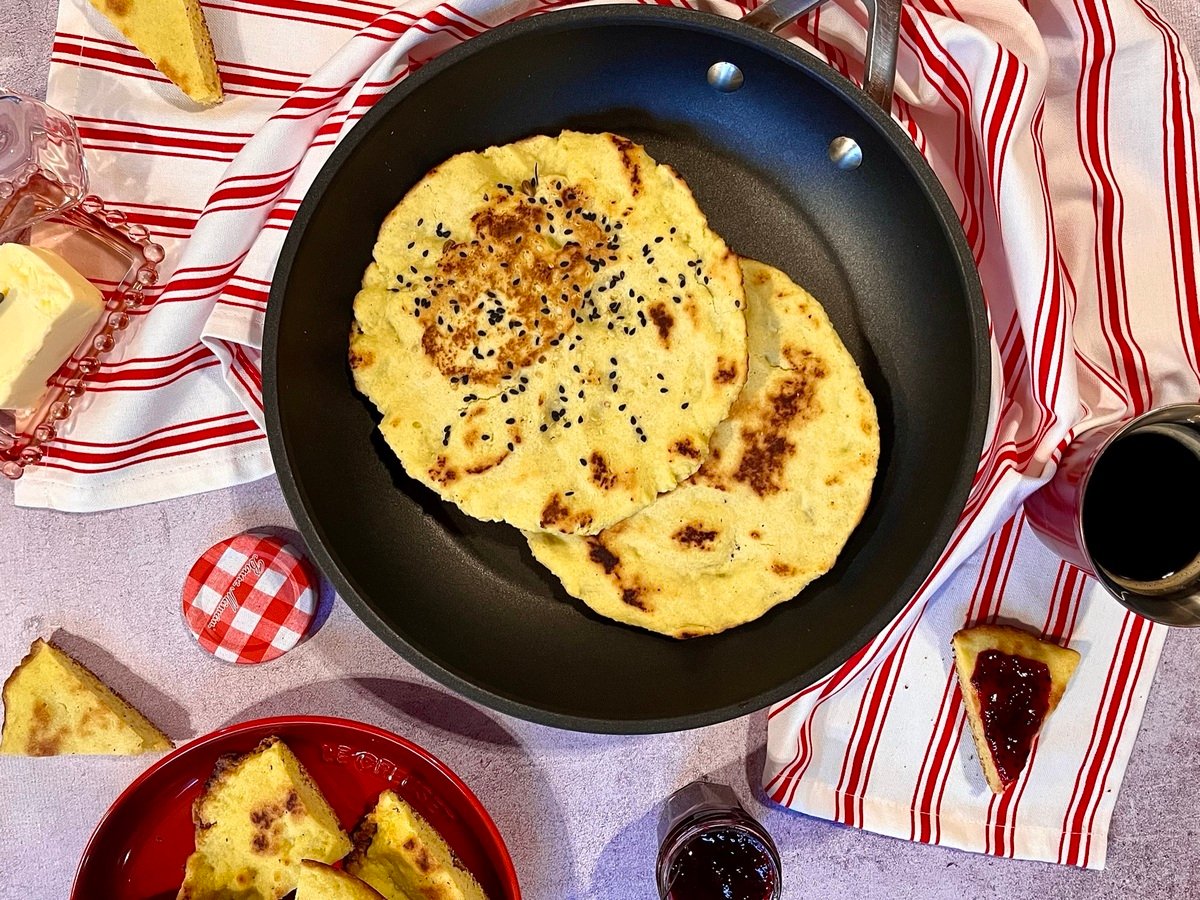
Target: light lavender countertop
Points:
x,y
578,812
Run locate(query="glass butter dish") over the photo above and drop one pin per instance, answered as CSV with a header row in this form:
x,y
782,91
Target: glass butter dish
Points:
x,y
44,204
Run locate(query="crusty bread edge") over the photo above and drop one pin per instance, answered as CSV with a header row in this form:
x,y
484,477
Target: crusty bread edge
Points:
x,y
317,864
8,683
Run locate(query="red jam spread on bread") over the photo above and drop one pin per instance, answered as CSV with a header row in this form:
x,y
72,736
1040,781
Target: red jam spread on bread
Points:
x,y
1014,697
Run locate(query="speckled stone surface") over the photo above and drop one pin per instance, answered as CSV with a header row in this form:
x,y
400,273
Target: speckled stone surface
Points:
x,y
579,812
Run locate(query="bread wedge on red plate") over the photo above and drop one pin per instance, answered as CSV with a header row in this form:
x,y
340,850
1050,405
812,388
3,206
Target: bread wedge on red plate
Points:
x,y
319,881
1011,682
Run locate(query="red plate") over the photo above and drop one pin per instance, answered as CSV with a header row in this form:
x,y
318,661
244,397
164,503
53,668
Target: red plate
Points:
x,y
138,850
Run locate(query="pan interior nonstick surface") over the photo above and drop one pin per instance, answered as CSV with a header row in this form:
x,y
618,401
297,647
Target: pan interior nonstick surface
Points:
x,y
463,599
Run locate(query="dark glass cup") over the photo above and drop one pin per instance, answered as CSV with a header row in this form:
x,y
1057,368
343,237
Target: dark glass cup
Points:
x,y
1120,506
710,848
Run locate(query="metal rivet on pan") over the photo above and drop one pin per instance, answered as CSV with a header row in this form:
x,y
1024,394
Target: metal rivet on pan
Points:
x,y
845,153
725,77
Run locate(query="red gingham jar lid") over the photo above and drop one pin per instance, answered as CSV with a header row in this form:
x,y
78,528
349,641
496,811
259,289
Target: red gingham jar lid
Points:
x,y
250,598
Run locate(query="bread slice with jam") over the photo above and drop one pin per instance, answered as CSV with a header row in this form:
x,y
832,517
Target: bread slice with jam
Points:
x,y
1011,681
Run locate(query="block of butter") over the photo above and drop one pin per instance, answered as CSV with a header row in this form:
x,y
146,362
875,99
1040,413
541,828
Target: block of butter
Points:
x,y
46,309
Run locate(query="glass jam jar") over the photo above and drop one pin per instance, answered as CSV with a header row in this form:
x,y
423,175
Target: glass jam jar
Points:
x,y
710,848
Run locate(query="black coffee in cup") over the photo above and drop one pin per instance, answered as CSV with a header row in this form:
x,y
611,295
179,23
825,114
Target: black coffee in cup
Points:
x,y
1141,508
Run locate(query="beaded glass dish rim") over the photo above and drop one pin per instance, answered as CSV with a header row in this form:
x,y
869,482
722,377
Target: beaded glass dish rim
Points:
x,y
24,436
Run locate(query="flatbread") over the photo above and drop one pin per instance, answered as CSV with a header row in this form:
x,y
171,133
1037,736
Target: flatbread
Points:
x,y
788,479
402,856
259,817
54,705
551,331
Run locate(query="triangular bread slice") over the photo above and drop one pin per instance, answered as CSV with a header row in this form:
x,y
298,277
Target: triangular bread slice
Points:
x,y
321,882
1003,756
404,858
260,815
53,706
174,36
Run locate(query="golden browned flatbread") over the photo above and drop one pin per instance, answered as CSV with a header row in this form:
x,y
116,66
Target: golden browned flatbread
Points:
x,y
259,817
319,881
53,705
401,855
787,480
551,331
173,35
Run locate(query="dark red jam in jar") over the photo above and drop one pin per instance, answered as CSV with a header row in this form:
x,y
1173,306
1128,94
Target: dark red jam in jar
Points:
x,y
1014,696
712,849
723,862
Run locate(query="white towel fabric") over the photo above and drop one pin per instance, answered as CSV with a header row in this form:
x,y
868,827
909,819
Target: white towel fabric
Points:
x,y
1064,132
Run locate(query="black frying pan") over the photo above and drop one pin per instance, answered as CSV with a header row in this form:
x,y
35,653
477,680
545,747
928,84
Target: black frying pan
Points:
x,y
879,245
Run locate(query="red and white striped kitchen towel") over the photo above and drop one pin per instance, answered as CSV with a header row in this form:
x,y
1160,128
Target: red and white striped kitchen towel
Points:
x,y
1081,205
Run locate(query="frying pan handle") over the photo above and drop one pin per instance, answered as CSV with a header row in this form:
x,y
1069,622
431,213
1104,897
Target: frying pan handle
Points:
x,y
883,36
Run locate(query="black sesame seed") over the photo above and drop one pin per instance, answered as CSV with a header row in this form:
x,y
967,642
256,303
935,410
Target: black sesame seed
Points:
x,y
683,406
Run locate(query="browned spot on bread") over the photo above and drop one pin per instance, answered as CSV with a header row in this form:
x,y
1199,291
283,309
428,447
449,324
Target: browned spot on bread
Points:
x,y
867,425
554,511
602,556
423,861
686,635
685,447
361,359
43,740
632,597
511,260
694,534
442,472
558,516
756,534
782,569
362,837
761,277
89,719
833,479
480,468
663,321
118,8
727,371
627,148
293,805
409,844
266,830
767,447
601,473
